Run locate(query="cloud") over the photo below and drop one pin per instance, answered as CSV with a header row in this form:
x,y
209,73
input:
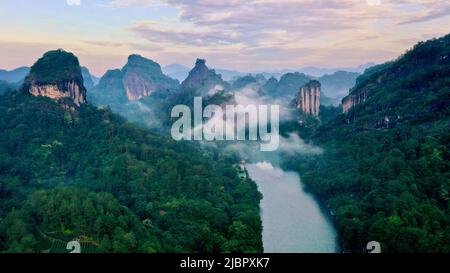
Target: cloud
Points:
x,y
264,165
429,14
249,35
130,3
73,2
373,2
103,43
154,33
284,33
293,144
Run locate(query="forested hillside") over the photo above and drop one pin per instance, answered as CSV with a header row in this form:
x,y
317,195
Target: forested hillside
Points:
x,y
385,170
85,173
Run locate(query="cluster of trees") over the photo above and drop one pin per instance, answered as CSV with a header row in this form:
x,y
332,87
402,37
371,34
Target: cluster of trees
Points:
x,y
385,170
392,187
6,87
87,173
45,71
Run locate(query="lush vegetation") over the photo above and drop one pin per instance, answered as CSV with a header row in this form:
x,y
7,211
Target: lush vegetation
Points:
x,y
44,71
385,172
6,87
88,174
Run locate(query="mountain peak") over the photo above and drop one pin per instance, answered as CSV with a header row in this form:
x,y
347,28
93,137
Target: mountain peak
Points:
x,y
200,62
203,80
57,75
56,65
136,60
142,77
139,78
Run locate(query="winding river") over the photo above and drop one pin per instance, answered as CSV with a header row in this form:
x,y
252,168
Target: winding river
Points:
x,y
292,219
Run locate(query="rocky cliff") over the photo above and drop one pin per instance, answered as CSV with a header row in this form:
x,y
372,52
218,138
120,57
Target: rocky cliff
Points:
x,y
142,77
139,78
308,99
56,75
353,99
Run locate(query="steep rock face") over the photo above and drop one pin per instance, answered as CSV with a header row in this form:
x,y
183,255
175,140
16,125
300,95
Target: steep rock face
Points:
x,y
353,99
57,75
308,99
204,80
139,78
142,77
67,89
137,88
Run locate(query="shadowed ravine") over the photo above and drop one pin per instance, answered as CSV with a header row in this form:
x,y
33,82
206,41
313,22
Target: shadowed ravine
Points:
x,y
292,219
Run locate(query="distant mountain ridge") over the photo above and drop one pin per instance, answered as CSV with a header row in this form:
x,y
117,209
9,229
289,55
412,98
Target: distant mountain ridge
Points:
x,y
338,84
180,72
15,75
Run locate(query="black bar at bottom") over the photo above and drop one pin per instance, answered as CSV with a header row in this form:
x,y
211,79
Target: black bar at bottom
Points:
x,y
221,262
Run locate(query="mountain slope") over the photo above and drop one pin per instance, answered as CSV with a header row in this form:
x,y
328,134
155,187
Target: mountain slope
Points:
x,y
143,77
139,78
385,172
84,173
87,78
203,81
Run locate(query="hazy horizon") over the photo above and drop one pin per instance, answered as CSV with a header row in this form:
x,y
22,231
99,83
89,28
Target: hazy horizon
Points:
x,y
238,35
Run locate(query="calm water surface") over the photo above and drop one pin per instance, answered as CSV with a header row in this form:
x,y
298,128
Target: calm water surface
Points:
x,y
292,219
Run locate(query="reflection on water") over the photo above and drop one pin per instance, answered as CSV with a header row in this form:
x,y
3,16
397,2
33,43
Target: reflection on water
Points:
x,y
292,219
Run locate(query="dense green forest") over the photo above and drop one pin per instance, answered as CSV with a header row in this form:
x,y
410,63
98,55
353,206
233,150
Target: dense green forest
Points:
x,y
56,66
385,170
86,173
6,87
